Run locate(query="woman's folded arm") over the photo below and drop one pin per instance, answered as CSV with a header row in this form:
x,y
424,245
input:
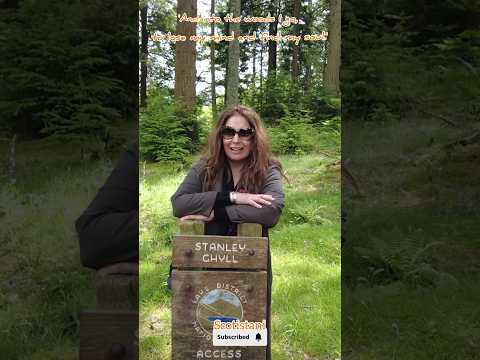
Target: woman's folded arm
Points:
x,y
268,215
108,238
189,198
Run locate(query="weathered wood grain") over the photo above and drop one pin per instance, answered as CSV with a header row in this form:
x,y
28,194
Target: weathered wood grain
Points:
x,y
108,335
191,329
219,252
117,291
247,229
191,227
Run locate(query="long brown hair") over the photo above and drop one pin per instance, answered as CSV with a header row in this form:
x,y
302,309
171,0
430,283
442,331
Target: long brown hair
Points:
x,y
255,169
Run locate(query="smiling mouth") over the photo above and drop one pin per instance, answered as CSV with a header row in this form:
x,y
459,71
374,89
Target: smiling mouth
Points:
x,y
236,149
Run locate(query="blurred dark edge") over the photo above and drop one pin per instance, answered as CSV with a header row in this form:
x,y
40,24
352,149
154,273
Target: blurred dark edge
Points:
x,y
68,111
410,81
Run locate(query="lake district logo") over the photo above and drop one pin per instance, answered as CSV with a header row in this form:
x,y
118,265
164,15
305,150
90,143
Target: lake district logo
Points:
x,y
223,303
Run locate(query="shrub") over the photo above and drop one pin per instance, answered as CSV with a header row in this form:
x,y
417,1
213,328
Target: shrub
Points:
x,y
293,135
163,136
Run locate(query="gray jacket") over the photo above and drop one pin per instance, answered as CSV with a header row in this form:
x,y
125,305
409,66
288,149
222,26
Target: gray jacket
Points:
x,y
189,199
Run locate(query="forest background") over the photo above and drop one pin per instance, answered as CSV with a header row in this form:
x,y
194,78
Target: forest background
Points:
x,y
411,144
410,91
68,107
295,89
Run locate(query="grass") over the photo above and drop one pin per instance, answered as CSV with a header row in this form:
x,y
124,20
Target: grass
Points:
x,y
305,257
43,286
410,261
42,283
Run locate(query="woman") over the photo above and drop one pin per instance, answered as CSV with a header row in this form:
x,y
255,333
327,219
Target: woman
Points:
x,y
237,181
108,228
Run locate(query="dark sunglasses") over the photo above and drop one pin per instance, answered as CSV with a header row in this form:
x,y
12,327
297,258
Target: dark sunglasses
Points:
x,y
229,133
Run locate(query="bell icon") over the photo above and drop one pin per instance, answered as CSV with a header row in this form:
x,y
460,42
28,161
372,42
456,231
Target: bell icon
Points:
x,y
258,337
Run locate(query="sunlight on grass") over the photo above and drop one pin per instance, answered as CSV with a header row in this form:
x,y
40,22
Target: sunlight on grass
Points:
x,y
306,303
305,258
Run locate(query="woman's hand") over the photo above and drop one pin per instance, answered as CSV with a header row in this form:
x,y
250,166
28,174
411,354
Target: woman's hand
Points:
x,y
199,217
255,200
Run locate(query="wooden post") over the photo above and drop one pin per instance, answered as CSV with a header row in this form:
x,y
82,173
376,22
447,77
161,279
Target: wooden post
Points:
x,y
111,330
117,291
191,227
216,276
249,230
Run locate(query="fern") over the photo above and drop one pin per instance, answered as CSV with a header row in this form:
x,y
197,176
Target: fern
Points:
x,y
402,258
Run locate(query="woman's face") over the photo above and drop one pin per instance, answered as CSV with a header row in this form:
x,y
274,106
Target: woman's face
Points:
x,y
237,148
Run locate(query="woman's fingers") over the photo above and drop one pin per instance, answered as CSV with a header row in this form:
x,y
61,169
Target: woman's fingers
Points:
x,y
254,204
266,197
255,200
263,201
194,217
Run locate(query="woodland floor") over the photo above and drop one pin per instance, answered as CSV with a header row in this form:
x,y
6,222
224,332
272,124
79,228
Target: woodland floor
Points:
x,y
305,250
411,266
43,286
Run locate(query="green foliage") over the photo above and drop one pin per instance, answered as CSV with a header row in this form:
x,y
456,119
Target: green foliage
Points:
x,y
167,131
279,96
297,134
402,258
162,134
63,68
392,66
293,135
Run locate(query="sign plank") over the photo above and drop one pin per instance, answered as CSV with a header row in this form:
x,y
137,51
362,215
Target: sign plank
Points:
x,y
220,252
108,335
201,296
117,291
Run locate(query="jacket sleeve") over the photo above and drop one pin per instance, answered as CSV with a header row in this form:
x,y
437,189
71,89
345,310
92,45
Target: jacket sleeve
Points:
x,y
189,198
108,228
268,215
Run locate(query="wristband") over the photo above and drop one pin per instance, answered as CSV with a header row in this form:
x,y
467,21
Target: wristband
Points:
x,y
233,197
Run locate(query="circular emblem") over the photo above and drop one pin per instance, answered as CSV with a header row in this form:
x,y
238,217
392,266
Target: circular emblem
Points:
x,y
218,304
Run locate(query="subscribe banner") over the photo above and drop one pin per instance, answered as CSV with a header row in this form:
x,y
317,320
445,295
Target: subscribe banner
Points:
x,y
239,333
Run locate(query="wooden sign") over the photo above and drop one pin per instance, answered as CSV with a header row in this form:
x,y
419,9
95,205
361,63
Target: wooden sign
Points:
x,y
217,276
111,330
200,296
108,334
225,252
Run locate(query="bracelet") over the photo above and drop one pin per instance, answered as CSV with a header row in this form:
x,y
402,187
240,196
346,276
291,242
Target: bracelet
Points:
x,y
233,197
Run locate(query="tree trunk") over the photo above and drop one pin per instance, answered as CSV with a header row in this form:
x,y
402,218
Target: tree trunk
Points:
x,y
261,76
272,45
296,48
233,57
332,71
213,91
185,56
307,63
254,65
144,55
